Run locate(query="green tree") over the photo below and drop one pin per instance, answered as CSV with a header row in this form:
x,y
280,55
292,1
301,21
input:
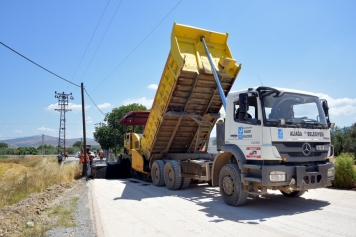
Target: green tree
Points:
x,y
352,139
26,151
338,140
344,140
105,134
45,146
3,145
77,144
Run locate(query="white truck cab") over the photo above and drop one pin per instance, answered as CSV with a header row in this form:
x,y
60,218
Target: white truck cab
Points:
x,y
273,139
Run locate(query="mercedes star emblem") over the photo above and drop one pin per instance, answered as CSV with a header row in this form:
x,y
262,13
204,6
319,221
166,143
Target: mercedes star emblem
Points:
x,y
306,149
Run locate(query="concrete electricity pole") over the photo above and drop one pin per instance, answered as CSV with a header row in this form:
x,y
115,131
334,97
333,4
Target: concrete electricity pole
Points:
x,y
42,144
63,102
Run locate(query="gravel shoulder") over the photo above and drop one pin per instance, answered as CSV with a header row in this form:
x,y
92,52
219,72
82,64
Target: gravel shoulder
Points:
x,y
83,216
37,213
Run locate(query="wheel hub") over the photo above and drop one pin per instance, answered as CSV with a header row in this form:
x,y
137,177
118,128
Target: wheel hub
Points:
x,y
228,185
170,175
157,173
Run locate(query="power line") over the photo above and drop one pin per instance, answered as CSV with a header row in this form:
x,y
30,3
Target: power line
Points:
x,y
38,64
93,102
91,39
138,45
101,40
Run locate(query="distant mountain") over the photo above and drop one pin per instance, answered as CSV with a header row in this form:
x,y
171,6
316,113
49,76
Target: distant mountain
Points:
x,y
35,141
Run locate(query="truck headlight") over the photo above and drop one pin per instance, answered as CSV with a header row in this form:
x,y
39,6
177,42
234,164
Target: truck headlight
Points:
x,y
331,172
277,176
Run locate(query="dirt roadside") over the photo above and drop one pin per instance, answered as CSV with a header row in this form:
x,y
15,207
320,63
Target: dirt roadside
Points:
x,y
39,214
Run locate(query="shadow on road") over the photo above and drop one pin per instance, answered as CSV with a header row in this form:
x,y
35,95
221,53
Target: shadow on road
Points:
x,y
256,210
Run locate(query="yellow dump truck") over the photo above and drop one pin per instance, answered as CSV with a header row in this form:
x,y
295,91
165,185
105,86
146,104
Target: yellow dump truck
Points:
x,y
270,138
185,108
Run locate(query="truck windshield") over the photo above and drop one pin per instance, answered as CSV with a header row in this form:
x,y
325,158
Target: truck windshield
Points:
x,y
297,110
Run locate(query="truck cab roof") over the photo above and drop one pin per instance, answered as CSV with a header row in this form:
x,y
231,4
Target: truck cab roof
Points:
x,y
255,89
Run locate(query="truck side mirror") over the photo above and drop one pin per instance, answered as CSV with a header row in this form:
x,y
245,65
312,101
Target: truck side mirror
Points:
x,y
324,104
243,106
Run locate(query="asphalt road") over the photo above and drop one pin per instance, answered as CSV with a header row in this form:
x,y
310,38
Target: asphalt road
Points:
x,y
135,208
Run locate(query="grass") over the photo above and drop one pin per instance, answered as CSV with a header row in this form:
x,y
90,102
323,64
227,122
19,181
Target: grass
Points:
x,y
64,216
20,177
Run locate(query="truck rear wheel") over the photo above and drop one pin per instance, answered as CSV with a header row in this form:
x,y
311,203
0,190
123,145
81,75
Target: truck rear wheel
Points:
x,y
172,177
157,173
185,183
293,194
231,187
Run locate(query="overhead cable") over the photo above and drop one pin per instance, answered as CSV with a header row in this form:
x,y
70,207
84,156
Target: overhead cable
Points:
x,y
91,39
38,64
93,102
138,45
101,40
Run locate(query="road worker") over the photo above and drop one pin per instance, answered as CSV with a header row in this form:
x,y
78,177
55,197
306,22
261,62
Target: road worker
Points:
x,y
101,155
81,160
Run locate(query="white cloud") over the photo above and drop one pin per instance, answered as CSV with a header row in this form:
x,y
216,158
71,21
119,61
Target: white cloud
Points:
x,y
18,131
142,101
74,107
88,119
152,86
46,129
104,106
340,106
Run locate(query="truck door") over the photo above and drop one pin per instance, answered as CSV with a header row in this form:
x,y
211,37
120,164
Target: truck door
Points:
x,y
245,130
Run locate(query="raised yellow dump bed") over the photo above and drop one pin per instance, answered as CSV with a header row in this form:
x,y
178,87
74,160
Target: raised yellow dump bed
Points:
x,y
187,101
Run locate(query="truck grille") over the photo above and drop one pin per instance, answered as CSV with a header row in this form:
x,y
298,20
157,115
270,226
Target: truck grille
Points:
x,y
293,151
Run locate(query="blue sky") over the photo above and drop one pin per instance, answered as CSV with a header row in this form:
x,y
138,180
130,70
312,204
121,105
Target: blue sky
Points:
x,y
304,45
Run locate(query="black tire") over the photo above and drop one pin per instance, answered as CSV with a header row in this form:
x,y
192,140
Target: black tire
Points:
x,y
293,194
185,183
172,178
157,173
133,173
231,187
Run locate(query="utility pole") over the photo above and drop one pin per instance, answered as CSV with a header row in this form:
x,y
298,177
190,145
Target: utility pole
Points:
x,y
84,134
63,102
115,134
42,144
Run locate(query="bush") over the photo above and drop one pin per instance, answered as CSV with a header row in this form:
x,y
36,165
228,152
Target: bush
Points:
x,y
345,172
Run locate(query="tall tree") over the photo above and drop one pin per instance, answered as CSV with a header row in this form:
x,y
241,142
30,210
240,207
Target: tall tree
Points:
x,y
77,143
3,145
344,140
105,134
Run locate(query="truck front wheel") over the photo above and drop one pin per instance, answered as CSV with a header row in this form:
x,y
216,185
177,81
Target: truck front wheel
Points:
x,y
293,194
231,187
